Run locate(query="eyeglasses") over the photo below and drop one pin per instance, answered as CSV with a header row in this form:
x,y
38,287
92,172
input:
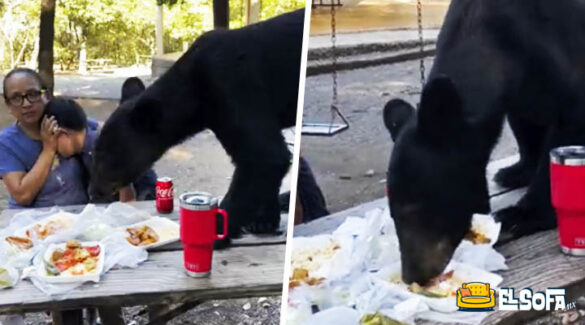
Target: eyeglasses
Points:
x,y
32,96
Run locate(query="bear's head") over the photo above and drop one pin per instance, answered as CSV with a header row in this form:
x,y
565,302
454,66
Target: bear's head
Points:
x,y
434,182
129,143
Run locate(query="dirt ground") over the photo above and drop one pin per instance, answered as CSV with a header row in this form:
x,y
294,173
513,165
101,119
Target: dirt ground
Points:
x,y
199,163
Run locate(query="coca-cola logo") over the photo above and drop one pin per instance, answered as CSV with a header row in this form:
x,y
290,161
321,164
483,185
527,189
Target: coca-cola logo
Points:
x,y
164,193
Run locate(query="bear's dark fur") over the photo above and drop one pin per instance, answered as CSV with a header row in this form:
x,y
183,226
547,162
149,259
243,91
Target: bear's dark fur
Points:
x,y
243,85
495,58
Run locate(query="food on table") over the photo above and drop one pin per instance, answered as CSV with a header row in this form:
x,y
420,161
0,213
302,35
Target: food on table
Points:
x,y
476,237
313,259
379,319
20,242
41,231
306,261
300,276
142,236
445,285
5,279
75,259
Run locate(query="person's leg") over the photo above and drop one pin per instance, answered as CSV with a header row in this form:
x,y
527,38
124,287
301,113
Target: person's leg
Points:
x,y
67,317
310,196
111,315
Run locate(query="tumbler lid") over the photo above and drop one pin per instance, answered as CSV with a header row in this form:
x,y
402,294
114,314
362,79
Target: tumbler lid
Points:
x,y
568,156
198,201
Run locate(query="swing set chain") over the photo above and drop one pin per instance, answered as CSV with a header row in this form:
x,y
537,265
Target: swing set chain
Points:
x,y
334,53
421,40
334,108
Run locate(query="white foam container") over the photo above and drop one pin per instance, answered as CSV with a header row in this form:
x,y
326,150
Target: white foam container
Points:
x,y
167,230
68,218
94,277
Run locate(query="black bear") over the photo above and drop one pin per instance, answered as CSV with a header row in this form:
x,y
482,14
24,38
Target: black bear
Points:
x,y
495,58
243,85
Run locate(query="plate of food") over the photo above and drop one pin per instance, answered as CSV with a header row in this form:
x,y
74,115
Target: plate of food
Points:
x,y
73,261
151,233
312,259
48,226
484,230
19,243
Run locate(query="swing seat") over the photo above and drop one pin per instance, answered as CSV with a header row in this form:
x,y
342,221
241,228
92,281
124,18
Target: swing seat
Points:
x,y
326,129
322,129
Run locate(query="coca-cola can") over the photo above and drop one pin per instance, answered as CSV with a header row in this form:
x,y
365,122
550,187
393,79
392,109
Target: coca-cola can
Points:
x,y
164,195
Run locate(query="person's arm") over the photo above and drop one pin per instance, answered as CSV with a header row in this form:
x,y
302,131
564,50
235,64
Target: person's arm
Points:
x,y
127,194
23,187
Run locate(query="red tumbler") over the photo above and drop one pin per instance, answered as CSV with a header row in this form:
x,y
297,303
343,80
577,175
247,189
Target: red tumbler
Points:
x,y
198,220
567,180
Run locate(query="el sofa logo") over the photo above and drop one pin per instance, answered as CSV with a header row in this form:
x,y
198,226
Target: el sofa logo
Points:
x,y
476,296
550,299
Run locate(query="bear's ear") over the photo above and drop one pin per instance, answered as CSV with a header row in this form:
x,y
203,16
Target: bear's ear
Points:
x,y
146,114
440,112
397,113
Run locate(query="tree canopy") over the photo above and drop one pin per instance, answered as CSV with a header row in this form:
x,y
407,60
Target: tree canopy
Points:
x,y
122,31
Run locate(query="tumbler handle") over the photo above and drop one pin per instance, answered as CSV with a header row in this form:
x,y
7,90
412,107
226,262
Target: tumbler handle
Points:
x,y
225,224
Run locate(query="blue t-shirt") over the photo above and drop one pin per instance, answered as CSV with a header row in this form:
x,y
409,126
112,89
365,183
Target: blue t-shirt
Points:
x,y
64,185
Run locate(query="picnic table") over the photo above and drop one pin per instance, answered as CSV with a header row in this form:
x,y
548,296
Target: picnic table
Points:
x,y
252,267
534,261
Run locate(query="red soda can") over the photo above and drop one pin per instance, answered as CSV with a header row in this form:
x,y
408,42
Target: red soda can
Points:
x,y
164,195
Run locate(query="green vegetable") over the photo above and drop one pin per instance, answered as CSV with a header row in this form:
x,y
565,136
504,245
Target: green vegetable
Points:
x,y
379,319
4,278
51,268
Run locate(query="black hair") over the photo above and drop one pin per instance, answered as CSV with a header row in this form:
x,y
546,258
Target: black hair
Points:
x,y
27,71
67,112
131,87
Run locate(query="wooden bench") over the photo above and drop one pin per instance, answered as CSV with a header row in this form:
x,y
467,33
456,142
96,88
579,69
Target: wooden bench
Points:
x,y
534,261
252,267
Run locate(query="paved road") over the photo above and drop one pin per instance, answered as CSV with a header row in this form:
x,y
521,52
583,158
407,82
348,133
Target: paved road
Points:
x,y
367,144
371,37
97,85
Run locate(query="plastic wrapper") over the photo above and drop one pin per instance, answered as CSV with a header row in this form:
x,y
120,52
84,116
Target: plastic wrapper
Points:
x,y
358,278
92,224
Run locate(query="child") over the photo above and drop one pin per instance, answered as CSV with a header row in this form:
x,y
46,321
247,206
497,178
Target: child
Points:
x,y
145,184
76,139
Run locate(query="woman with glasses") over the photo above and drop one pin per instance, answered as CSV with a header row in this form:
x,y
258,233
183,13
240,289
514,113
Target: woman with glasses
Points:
x,y
33,173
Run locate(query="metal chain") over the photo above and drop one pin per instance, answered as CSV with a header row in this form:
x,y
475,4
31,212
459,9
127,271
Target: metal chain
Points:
x,y
334,64
422,44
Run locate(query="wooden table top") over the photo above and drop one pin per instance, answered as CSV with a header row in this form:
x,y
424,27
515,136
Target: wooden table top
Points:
x,y
252,267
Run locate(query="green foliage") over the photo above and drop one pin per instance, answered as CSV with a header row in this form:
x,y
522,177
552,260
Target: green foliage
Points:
x,y
122,31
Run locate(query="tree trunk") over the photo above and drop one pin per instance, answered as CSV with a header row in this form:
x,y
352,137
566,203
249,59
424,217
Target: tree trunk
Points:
x,y
46,37
221,14
253,11
159,31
